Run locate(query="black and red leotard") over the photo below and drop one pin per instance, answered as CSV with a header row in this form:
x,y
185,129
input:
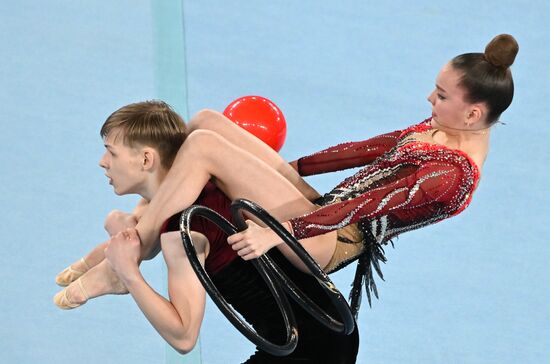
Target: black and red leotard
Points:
x,y
404,184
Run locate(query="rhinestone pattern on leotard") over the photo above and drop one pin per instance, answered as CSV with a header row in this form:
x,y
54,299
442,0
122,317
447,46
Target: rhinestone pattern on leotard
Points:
x,y
412,185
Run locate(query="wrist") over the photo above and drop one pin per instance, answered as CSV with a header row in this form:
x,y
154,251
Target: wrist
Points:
x,y
130,276
276,238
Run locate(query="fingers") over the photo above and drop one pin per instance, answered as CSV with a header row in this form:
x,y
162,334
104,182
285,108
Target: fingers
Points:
x,y
240,245
251,256
247,249
251,226
124,241
132,234
122,250
247,243
128,235
235,238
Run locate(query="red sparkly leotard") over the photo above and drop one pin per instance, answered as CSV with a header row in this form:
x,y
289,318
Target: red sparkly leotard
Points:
x,y
405,184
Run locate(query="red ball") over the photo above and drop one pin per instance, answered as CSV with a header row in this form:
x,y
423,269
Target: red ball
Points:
x,y
261,117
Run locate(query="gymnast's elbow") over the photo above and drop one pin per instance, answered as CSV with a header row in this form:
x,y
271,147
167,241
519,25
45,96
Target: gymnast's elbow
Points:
x,y
184,346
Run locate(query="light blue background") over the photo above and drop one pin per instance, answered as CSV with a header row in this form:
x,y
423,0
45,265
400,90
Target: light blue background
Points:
x,y
473,289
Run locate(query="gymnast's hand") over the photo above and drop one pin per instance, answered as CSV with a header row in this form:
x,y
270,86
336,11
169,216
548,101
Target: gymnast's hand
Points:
x,y
123,253
254,241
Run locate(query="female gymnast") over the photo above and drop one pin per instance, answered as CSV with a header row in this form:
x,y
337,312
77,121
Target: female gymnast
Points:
x,y
142,140
410,178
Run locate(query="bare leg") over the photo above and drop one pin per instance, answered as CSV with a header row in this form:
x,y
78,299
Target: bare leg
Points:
x,y
217,122
206,155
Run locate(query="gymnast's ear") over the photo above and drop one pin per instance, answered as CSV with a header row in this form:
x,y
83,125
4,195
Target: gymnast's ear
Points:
x,y
149,158
476,114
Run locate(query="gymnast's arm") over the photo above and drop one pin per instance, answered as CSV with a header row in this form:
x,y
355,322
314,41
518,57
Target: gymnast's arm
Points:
x,y
346,155
177,320
432,182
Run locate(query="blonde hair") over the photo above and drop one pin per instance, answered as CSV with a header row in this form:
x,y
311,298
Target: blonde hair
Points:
x,y
150,123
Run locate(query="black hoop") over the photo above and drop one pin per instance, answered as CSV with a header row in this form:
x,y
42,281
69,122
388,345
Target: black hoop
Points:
x,y
347,325
229,312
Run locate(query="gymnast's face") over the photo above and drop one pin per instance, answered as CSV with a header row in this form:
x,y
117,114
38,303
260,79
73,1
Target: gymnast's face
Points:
x,y
122,164
449,108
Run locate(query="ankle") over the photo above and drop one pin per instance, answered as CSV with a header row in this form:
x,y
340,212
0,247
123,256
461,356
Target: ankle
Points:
x,y
96,256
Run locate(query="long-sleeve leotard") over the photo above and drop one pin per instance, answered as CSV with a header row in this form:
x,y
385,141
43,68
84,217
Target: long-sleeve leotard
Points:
x,y
405,184
347,155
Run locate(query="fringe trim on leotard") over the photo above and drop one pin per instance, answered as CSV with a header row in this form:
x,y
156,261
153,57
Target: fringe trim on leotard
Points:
x,y
367,264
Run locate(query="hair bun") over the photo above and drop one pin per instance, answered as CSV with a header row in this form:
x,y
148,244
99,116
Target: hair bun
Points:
x,y
502,50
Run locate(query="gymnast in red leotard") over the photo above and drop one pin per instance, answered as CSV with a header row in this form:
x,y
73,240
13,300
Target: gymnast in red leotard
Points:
x,y
409,178
407,183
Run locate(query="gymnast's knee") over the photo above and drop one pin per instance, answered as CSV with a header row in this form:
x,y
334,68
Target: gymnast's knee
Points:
x,y
202,142
204,119
117,221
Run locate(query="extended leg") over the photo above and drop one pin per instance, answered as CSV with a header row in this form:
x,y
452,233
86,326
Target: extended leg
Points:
x,y
217,122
